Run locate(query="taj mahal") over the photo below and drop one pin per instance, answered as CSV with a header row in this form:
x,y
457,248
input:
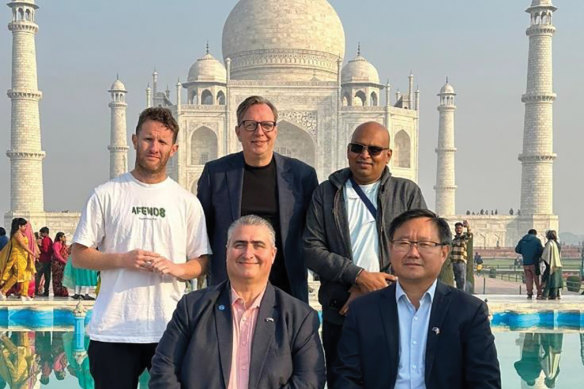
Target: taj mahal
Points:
x,y
322,93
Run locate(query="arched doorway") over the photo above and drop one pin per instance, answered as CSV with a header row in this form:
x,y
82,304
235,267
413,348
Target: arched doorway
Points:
x,y
203,146
294,142
401,152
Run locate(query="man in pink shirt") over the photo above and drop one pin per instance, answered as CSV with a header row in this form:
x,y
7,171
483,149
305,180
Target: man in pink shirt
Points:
x,y
243,333
43,266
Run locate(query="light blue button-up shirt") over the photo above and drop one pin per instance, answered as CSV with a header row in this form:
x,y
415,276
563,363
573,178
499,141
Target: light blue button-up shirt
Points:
x,y
413,333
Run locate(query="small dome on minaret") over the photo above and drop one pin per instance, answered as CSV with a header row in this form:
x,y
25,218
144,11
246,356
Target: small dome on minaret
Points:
x,y
447,88
118,86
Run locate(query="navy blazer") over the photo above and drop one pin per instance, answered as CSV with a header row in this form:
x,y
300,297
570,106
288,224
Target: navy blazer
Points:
x,y
460,354
219,191
195,350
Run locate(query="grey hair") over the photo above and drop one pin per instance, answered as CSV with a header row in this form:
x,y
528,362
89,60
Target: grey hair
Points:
x,y
252,220
253,100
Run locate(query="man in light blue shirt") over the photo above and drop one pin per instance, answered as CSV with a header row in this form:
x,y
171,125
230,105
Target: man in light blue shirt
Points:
x,y
418,332
413,329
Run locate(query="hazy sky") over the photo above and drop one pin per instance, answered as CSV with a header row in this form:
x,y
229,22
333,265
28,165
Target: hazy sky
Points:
x,y
480,45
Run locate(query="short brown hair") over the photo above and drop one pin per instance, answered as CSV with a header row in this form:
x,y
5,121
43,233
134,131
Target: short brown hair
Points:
x,y
253,100
161,115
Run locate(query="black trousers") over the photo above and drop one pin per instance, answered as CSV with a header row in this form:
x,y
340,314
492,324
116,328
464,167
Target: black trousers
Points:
x,y
42,268
119,365
331,335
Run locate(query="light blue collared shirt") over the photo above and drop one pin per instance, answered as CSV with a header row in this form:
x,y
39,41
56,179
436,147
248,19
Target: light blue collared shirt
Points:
x,y
413,333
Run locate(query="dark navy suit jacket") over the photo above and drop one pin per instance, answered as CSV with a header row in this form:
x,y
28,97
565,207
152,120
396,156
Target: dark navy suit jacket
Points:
x,y
195,350
460,350
219,191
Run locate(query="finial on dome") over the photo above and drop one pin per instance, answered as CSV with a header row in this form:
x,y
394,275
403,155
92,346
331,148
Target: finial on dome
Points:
x,y
117,76
207,48
358,49
447,79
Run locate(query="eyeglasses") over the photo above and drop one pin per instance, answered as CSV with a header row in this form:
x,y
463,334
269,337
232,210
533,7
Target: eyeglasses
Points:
x,y
404,245
251,125
373,151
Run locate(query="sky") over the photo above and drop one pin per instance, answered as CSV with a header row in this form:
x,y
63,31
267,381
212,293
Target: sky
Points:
x,y
480,46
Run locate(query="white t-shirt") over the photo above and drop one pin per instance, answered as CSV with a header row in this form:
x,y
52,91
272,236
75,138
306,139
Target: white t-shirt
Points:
x,y
362,226
125,214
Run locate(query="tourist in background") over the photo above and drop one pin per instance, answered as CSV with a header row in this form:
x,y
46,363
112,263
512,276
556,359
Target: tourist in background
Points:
x,y
60,255
80,280
552,276
17,260
459,255
530,249
3,238
43,265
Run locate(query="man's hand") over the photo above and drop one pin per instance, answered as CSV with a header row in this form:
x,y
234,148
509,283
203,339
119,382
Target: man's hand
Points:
x,y
370,281
139,260
355,292
163,266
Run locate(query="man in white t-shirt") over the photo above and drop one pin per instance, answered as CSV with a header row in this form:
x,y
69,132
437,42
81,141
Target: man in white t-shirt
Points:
x,y
345,238
151,235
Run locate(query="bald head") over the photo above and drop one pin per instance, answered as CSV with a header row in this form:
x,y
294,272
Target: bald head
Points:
x,y
369,152
368,128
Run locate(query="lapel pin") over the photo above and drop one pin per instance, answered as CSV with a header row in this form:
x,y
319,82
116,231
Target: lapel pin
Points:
x,y
436,330
221,307
269,320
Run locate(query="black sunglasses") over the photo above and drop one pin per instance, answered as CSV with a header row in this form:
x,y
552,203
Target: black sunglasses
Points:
x,y
373,151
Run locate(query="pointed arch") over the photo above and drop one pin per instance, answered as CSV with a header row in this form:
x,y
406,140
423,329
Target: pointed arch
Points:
x,y
359,100
203,146
295,142
402,149
206,97
221,98
373,99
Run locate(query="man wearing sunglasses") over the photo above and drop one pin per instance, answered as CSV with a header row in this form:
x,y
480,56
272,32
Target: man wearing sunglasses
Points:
x,y
261,182
344,240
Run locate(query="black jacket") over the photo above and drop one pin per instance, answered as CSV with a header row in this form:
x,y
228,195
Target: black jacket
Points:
x,y
327,242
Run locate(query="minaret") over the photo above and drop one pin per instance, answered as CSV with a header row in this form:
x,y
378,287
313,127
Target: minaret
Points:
x,y
445,183
26,156
537,157
118,147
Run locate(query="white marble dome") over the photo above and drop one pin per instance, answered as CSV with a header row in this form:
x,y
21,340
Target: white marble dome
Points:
x,y
207,69
292,40
447,89
359,70
118,86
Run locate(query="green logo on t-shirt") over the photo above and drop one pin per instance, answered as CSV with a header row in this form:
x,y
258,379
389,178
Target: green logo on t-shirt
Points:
x,y
149,211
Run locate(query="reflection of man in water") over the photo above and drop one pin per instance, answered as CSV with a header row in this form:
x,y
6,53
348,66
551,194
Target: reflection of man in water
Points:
x,y
551,345
541,352
528,367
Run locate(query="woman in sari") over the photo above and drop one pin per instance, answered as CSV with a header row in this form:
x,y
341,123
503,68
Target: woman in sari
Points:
x,y
552,276
60,254
17,260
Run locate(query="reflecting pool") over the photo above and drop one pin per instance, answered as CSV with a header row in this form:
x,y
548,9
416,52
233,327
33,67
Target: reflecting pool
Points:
x,y
58,359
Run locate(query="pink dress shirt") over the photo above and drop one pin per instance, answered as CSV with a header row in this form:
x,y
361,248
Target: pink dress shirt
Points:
x,y
244,322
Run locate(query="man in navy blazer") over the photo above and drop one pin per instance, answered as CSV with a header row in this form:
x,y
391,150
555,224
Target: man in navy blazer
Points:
x,y
208,342
417,332
261,182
